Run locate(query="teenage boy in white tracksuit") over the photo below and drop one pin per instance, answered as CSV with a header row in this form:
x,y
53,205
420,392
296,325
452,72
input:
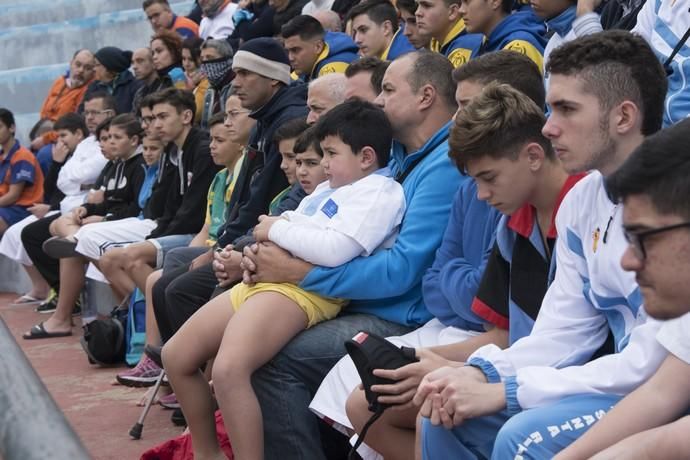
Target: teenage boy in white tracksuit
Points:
x,y
542,393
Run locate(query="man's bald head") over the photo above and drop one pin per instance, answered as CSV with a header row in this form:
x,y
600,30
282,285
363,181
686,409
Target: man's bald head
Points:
x,y
81,68
329,19
142,64
325,93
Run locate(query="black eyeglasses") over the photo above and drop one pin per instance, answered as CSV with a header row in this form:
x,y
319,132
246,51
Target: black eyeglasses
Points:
x,y
636,239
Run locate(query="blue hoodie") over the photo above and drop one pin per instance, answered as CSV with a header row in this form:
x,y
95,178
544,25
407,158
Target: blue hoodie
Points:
x,y
452,281
522,32
397,47
388,283
458,46
339,52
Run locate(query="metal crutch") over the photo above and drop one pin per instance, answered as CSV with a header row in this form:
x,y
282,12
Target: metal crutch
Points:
x,y
135,431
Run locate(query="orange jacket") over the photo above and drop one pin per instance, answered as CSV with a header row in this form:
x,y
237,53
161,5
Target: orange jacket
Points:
x,y
60,100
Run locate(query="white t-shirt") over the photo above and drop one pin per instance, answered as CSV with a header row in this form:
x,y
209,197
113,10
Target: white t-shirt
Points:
x,y
83,167
221,25
333,226
674,335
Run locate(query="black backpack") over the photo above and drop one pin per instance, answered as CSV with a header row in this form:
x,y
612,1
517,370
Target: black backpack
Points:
x,y
104,339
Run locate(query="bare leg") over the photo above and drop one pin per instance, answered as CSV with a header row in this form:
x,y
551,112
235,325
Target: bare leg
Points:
x,y
64,226
141,267
71,284
260,329
392,435
196,342
153,335
117,264
3,226
39,287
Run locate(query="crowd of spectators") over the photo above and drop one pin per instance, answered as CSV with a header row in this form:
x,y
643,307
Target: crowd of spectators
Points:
x,y
499,186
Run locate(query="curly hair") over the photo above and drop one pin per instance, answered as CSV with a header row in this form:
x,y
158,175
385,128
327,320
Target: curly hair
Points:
x,y
172,41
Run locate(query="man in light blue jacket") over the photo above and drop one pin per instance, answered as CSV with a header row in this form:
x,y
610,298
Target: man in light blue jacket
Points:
x,y
384,288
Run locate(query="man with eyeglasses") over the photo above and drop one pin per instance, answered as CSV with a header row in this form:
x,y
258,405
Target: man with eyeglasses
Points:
x,y
77,174
535,398
653,187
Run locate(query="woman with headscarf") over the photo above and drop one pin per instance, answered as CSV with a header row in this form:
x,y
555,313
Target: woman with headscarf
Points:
x,y
216,64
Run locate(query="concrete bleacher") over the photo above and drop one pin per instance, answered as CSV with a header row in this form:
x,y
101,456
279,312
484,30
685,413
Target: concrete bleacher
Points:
x,y
39,37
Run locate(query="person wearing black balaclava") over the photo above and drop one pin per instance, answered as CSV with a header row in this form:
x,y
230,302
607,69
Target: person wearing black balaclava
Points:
x,y
216,63
112,75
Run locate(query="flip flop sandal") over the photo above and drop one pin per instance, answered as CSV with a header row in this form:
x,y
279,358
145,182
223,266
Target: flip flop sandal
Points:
x,y
26,299
38,331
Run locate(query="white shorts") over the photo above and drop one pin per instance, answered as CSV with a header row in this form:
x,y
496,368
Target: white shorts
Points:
x,y
341,381
11,243
94,240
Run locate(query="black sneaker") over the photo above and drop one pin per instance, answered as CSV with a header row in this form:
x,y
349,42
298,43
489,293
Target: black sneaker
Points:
x,y
50,305
177,418
59,248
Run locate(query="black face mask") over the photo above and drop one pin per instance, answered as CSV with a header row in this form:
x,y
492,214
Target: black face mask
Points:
x,y
217,70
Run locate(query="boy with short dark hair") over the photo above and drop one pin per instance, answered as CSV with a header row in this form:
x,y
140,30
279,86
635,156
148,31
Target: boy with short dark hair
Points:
x,y
443,22
314,52
408,20
503,29
376,30
355,212
21,178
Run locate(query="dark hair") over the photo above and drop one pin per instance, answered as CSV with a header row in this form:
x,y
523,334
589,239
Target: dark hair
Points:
x,y
172,41
408,5
307,140
497,123
307,27
7,117
433,69
216,119
509,67
180,99
659,168
148,3
507,5
72,122
290,129
147,101
193,44
33,134
358,124
108,100
129,123
372,64
105,124
379,11
616,66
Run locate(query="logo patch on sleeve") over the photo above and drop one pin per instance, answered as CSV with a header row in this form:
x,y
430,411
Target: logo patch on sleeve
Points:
x,y
330,208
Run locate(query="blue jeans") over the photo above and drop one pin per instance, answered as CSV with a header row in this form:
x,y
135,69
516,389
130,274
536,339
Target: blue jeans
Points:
x,y
534,433
287,383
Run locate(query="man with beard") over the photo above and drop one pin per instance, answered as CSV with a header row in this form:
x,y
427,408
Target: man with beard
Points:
x,y
66,93
533,399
